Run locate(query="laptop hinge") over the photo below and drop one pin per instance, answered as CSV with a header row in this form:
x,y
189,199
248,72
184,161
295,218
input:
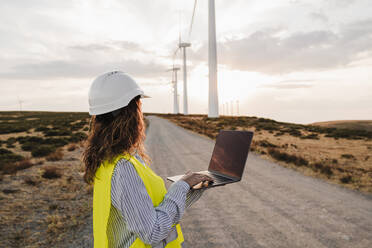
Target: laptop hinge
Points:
x,y
224,175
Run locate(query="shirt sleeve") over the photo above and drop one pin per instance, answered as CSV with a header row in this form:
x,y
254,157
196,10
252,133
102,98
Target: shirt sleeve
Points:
x,y
193,195
129,195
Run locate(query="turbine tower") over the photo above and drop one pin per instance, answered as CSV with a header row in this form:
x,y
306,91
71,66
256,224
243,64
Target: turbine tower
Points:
x,y
20,104
175,93
212,62
183,45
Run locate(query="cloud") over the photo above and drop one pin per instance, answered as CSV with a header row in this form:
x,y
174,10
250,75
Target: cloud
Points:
x,y
55,69
286,86
268,52
87,60
290,84
318,16
110,46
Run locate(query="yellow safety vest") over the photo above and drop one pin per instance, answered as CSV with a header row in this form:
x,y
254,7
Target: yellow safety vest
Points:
x,y
102,200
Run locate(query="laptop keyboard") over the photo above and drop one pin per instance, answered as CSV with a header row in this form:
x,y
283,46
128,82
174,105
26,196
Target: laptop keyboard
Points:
x,y
216,178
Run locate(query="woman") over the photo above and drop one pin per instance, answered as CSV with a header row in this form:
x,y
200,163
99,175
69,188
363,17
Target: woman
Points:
x,y
131,206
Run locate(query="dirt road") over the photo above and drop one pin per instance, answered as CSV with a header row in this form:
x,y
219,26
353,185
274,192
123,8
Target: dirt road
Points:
x,y
271,207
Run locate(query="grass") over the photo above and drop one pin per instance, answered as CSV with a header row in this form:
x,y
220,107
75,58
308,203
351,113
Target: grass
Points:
x,y
289,158
39,133
51,172
71,147
8,157
42,150
46,135
55,156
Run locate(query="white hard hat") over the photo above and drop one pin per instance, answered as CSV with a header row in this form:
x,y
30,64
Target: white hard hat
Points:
x,y
112,91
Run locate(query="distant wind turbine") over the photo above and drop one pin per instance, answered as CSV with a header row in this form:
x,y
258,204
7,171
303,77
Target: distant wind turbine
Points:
x,y
20,104
175,90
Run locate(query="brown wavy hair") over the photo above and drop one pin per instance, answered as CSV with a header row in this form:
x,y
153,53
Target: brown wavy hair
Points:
x,y
114,133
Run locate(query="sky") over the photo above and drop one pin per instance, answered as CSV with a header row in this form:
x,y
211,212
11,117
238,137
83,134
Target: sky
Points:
x,y
289,60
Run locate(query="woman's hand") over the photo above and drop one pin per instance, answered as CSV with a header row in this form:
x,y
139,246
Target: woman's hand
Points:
x,y
196,179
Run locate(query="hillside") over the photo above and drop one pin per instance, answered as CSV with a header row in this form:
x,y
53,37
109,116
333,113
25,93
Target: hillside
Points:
x,y
347,124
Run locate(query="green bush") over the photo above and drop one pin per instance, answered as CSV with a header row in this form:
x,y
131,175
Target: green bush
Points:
x,y
28,146
42,129
346,179
57,133
76,137
43,150
7,157
265,143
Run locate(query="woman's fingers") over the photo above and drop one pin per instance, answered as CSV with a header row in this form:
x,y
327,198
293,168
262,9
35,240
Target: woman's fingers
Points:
x,y
197,180
198,186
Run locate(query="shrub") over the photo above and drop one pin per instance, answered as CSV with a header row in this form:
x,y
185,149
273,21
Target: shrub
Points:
x,y
346,179
43,150
30,181
57,133
282,156
23,164
295,132
42,129
28,146
11,168
10,191
322,168
51,172
55,156
347,156
7,158
78,136
30,139
71,147
265,143
310,136
11,141
279,133
57,142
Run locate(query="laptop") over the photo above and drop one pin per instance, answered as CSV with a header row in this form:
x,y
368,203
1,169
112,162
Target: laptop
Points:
x,y
228,158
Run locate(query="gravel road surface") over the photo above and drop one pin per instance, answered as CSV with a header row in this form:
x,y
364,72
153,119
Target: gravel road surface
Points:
x,y
271,207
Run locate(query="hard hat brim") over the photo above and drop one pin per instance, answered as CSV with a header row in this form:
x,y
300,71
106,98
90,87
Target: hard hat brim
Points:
x,y
145,96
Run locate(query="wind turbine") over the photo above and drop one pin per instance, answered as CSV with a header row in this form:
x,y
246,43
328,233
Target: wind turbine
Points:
x,y
212,62
212,58
175,93
20,104
182,46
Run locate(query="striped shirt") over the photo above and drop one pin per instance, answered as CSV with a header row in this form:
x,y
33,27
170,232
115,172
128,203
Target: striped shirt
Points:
x,y
133,215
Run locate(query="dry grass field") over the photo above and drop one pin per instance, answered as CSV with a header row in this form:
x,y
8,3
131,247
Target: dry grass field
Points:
x,y
43,199
338,155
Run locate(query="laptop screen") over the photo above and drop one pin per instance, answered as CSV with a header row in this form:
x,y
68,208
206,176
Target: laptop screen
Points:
x,y
230,152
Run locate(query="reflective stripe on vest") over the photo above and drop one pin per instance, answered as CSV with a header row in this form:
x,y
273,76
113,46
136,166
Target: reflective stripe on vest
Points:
x,y
102,200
